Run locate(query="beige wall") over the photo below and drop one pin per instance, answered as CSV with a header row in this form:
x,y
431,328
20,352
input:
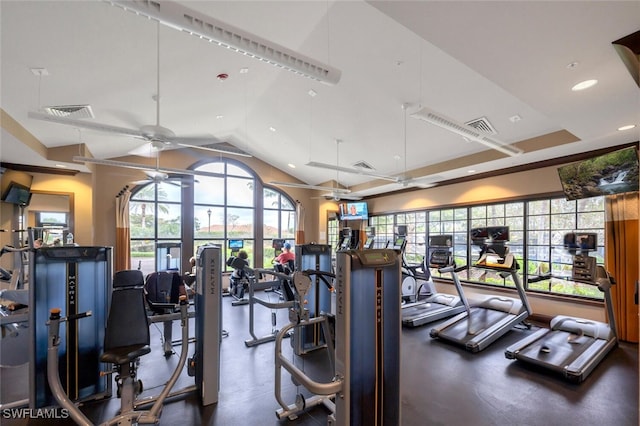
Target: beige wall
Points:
x,y
80,186
531,182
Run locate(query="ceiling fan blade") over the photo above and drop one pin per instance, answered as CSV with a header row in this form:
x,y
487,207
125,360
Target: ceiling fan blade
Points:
x,y
316,187
189,143
338,197
141,182
85,124
350,170
136,166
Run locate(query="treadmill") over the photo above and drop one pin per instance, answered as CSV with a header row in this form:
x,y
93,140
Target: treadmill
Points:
x,y
437,305
571,346
479,326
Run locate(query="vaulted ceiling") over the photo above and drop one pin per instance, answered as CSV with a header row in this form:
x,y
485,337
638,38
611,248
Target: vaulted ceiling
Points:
x,y
512,63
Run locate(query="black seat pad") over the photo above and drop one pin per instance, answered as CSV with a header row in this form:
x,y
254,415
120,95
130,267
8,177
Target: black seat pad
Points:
x,y
125,354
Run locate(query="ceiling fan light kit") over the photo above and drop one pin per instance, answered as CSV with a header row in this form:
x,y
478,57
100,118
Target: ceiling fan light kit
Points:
x,y
465,131
205,27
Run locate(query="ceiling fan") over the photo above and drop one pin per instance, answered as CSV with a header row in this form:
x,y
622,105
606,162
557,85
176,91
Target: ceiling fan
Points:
x,y
404,180
334,192
157,176
155,135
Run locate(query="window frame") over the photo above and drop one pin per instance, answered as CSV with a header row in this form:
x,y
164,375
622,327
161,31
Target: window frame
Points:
x,y
520,228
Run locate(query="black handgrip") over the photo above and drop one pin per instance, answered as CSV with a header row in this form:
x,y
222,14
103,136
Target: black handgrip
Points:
x,y
322,275
537,278
78,316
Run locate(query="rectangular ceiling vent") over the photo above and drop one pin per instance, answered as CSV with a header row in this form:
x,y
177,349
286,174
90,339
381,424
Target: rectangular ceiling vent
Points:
x,y
465,130
70,111
483,125
363,165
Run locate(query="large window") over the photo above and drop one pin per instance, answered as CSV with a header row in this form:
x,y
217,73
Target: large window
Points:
x,y
415,248
383,225
225,207
536,231
154,216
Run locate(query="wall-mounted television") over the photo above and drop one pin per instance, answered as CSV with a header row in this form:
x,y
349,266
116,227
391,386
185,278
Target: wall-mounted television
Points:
x,y
612,173
17,194
355,210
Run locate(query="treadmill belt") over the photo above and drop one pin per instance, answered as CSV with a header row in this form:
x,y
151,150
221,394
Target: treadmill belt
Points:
x,y
556,348
480,320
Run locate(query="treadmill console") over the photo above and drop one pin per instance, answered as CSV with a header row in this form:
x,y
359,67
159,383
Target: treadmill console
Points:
x,y
440,258
440,251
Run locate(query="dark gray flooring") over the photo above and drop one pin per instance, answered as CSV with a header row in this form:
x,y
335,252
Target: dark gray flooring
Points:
x,y
441,384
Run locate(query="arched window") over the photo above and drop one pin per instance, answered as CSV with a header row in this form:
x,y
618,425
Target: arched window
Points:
x,y
219,209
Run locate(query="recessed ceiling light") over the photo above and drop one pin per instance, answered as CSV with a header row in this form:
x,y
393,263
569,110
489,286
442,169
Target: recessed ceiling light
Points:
x,y
219,116
627,127
471,171
293,166
61,166
244,70
273,129
584,85
312,93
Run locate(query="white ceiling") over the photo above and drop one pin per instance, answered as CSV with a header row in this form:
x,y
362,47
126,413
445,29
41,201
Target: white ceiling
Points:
x,y
463,59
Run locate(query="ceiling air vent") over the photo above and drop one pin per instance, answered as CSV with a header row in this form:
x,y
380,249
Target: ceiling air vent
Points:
x,y
70,111
483,125
363,165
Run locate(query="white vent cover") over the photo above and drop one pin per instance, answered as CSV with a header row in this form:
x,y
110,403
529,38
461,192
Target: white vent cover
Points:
x,y
70,111
363,165
483,125
181,18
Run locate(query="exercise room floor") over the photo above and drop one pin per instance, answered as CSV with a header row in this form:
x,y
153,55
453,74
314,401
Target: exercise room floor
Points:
x,y
441,384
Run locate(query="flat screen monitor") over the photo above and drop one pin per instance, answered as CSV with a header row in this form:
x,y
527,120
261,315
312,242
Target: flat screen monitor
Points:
x,y
498,233
277,243
479,233
369,243
612,173
17,194
236,244
399,242
346,242
581,240
356,210
440,241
